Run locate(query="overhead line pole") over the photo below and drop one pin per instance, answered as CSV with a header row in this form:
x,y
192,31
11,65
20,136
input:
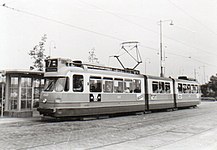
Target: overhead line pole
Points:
x,y
161,46
161,51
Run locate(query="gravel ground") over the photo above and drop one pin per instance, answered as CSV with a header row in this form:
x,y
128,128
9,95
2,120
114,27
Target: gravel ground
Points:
x,y
194,128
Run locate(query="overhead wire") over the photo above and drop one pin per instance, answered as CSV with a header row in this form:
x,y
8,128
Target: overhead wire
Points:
x,y
193,18
87,30
114,14
147,29
186,57
63,23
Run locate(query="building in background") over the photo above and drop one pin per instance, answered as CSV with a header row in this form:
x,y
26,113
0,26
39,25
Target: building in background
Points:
x,y
22,91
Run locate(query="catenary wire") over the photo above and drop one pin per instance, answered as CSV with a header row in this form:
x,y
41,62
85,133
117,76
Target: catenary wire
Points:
x,y
87,30
193,18
63,23
147,29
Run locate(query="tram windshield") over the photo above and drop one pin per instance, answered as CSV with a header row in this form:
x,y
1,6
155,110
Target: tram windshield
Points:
x,y
57,84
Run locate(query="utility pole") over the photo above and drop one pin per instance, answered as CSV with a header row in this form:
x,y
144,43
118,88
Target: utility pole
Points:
x,y
2,108
161,51
50,48
161,46
195,73
204,75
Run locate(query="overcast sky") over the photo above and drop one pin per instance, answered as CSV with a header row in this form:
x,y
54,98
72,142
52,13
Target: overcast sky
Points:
x,y
74,27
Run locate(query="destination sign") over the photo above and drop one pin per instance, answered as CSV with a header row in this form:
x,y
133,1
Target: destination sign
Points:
x,y
51,65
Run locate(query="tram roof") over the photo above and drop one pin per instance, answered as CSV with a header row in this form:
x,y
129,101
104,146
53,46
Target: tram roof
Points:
x,y
77,63
158,78
21,71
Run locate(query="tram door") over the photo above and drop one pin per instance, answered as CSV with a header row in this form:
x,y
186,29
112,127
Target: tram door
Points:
x,y
95,89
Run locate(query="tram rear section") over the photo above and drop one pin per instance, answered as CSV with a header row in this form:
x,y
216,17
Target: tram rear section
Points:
x,y
74,89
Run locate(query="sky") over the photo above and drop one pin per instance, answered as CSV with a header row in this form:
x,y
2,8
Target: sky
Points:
x,y
75,27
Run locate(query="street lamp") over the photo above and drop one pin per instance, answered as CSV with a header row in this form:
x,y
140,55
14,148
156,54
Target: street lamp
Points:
x,y
147,60
204,73
50,48
161,45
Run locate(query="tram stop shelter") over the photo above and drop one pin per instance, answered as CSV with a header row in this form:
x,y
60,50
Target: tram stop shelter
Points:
x,y
22,91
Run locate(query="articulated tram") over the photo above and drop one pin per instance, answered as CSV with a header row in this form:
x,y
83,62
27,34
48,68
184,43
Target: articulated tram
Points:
x,y
74,89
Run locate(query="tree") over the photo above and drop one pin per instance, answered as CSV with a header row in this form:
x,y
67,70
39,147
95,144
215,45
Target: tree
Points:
x,y
37,53
92,57
210,89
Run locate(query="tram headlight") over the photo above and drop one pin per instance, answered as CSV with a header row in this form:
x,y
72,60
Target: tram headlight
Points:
x,y
58,100
44,100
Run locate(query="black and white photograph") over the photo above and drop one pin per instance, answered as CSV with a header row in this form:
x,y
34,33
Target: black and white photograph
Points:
x,y
108,74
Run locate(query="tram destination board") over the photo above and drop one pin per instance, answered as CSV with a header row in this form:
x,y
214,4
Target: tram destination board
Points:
x,y
51,65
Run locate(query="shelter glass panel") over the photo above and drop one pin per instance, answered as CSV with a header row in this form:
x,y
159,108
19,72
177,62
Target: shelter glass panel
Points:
x,y
36,92
26,93
13,93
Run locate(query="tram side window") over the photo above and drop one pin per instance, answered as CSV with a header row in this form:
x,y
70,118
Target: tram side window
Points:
x,y
78,83
155,87
95,84
107,85
137,86
188,88
161,87
118,85
128,86
197,89
193,87
180,88
167,87
184,88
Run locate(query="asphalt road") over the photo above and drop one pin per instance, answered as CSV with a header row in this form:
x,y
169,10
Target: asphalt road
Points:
x,y
194,128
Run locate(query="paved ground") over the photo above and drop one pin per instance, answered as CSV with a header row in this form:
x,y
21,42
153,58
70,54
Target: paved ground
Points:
x,y
182,130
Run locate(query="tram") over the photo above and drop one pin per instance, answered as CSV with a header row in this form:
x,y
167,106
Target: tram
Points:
x,y
74,89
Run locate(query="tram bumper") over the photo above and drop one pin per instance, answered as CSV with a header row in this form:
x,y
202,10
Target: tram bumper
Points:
x,y
47,111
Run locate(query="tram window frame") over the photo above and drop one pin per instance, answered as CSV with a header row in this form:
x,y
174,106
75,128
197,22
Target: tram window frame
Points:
x,y
155,86
107,85
197,88
188,87
64,87
193,89
95,87
49,86
53,83
78,83
180,90
128,86
118,85
167,87
137,87
161,87
184,88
